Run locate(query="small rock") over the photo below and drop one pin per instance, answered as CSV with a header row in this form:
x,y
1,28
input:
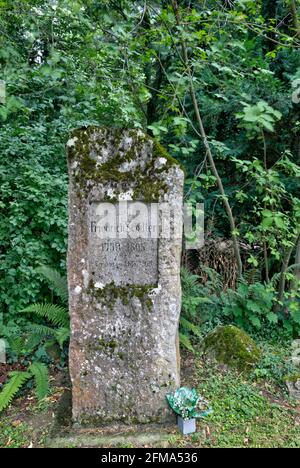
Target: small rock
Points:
x,y
293,385
231,346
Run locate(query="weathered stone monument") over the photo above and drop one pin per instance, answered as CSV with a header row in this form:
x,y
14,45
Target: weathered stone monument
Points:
x,y
124,275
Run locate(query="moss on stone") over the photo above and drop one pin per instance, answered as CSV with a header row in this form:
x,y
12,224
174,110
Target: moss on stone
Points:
x,y
112,344
160,152
108,346
292,378
231,346
145,183
112,292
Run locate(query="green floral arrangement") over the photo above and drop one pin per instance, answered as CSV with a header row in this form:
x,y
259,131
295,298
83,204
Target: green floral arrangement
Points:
x,y
188,404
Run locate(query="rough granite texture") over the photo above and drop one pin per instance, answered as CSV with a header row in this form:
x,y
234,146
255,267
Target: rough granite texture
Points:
x,y
124,304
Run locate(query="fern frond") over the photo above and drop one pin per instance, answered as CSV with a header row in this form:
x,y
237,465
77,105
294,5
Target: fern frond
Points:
x,y
189,281
62,335
185,341
55,280
252,275
215,278
41,379
40,331
190,327
276,276
11,388
33,340
55,314
16,344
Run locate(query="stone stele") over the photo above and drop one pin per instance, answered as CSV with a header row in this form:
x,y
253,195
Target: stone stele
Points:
x,y
124,281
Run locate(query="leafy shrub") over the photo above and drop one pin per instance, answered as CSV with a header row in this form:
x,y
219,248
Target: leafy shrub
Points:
x,y
33,227
250,306
255,308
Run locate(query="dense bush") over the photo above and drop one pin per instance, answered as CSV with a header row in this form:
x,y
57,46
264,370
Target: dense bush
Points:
x,y
32,226
57,78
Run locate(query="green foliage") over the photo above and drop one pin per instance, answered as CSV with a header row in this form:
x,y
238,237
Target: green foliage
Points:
x,y
56,281
36,371
57,77
250,306
274,205
12,436
32,224
254,307
36,334
40,374
275,364
244,415
258,118
192,300
12,387
55,314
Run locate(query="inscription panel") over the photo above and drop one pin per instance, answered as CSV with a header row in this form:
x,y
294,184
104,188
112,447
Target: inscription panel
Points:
x,y
116,257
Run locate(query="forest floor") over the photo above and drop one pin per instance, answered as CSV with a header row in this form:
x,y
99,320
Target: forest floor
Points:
x,y
245,414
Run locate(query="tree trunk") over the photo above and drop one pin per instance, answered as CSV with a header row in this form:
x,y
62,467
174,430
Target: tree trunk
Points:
x,y
294,11
210,157
297,261
284,268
